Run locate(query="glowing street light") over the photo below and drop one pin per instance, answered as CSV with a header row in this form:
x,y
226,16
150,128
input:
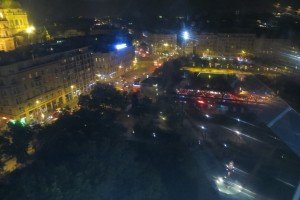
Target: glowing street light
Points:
x,y
238,132
121,46
154,135
220,180
186,35
30,29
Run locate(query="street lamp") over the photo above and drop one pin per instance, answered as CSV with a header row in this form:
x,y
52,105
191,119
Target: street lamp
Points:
x,y
186,35
30,30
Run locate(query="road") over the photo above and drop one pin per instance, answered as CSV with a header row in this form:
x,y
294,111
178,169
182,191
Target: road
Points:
x,y
261,160
265,165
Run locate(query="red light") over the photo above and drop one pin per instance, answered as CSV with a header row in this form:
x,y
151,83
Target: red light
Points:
x,y
201,102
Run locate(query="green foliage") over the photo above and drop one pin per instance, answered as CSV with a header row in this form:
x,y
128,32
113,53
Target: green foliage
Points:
x,y
105,95
143,107
15,142
85,155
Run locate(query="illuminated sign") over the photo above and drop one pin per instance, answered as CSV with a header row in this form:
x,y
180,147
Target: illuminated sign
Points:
x,y
121,46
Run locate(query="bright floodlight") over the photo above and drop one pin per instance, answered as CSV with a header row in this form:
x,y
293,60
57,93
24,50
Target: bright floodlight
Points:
x,y
186,35
30,29
121,46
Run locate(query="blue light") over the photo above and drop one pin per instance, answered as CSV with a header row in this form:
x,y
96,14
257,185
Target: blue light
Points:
x,y
186,35
121,46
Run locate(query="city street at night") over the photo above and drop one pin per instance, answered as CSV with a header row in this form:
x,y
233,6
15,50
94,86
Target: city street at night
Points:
x,y
149,100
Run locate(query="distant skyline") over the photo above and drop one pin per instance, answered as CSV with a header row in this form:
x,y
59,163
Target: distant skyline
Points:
x,y
142,8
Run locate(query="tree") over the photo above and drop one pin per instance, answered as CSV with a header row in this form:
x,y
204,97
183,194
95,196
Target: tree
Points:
x,y
143,107
84,101
105,95
16,142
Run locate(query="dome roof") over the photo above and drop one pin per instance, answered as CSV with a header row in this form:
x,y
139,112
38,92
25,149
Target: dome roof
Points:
x,y
9,4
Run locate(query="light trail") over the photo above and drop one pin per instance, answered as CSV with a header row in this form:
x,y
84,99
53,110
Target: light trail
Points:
x,y
240,170
232,188
242,134
285,182
245,122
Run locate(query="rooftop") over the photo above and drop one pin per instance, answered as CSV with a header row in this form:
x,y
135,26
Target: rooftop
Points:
x,y
99,43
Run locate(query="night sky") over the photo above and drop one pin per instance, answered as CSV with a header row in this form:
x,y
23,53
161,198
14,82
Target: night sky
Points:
x,y
142,8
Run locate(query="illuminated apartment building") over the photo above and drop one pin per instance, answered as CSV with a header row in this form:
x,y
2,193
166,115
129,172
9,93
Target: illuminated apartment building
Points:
x,y
162,43
223,44
36,85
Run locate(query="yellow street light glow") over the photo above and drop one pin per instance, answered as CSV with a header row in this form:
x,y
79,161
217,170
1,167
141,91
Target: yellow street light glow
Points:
x,y
1,15
30,29
166,44
37,101
72,86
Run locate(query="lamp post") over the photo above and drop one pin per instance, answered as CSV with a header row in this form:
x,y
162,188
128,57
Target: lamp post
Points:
x,y
30,30
186,37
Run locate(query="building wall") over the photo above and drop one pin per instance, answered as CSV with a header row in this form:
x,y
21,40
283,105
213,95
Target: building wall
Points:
x,y
7,42
232,45
161,43
266,46
12,22
113,64
17,18
225,44
34,89
29,88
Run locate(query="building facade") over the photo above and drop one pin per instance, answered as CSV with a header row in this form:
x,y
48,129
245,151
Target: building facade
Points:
x,y
13,20
270,46
17,19
111,64
35,88
7,42
162,43
228,45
